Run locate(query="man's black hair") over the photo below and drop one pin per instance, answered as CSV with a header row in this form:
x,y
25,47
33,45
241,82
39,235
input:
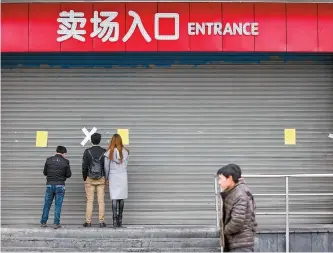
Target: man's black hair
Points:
x,y
237,168
96,138
61,150
231,170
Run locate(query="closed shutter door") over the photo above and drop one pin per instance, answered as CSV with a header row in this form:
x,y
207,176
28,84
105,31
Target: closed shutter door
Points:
x,y
185,121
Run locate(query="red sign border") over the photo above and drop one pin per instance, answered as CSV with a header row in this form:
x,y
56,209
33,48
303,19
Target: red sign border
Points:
x,y
282,27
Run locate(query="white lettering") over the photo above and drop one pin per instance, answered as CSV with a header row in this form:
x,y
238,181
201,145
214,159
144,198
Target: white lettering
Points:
x,y
254,29
87,134
227,29
136,23
245,31
217,28
200,29
71,25
209,27
237,28
204,28
105,29
158,16
191,29
68,25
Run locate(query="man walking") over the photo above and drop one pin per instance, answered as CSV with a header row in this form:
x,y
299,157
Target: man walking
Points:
x,y
238,225
56,170
93,175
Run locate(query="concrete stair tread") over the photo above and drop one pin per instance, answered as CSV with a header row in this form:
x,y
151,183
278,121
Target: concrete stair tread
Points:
x,y
118,243
140,239
80,232
47,249
117,239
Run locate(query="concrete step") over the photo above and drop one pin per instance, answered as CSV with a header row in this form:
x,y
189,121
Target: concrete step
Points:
x,y
94,239
151,250
92,243
108,232
149,239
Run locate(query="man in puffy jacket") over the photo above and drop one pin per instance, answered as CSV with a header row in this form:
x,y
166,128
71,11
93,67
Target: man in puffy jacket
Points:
x,y
238,224
56,170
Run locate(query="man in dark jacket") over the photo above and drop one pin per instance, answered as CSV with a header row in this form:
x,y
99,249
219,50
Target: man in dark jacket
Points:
x,y
238,222
94,178
56,170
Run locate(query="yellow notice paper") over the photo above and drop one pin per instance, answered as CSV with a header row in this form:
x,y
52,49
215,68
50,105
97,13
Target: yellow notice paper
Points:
x,y
289,136
124,135
41,139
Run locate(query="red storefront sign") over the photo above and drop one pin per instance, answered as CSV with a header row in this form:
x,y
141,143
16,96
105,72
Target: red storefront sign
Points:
x,y
230,27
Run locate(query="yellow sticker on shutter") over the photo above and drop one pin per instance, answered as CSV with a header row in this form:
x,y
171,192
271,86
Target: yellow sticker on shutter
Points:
x,y
124,135
41,139
289,136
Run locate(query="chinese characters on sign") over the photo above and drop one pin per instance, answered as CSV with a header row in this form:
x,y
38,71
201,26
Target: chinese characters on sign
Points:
x,y
72,24
105,29
68,26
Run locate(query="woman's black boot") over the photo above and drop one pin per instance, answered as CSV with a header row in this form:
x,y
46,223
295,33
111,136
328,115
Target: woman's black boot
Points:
x,y
114,212
120,214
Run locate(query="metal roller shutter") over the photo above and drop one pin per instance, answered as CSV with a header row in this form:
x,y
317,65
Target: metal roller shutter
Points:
x,y
185,121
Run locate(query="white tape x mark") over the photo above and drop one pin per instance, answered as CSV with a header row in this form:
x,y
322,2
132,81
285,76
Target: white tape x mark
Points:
x,y
88,135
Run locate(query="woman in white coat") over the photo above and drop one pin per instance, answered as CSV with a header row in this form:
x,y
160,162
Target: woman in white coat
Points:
x,y
115,166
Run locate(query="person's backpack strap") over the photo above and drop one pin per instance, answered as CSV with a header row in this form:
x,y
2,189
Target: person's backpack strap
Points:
x,y
94,157
90,153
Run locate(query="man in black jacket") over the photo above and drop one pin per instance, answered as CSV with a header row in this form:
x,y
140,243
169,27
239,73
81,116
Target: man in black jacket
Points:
x,y
56,170
94,178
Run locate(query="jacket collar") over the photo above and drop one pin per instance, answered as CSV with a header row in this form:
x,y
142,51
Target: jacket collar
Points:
x,y
230,190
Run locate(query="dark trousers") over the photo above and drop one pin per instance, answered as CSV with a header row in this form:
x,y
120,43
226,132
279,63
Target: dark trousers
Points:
x,y
57,192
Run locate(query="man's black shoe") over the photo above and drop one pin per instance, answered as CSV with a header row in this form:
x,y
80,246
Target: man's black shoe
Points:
x,y
86,224
102,225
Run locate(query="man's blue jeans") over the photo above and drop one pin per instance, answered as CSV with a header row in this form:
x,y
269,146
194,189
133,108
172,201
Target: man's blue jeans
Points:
x,y
57,192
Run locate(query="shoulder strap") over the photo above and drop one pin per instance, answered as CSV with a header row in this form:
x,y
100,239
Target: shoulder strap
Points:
x,y
94,157
90,153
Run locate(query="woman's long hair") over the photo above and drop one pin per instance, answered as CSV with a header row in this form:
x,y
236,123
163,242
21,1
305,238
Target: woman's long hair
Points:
x,y
116,142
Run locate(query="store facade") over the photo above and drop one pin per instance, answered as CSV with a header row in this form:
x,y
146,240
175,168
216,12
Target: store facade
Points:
x,y
198,85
